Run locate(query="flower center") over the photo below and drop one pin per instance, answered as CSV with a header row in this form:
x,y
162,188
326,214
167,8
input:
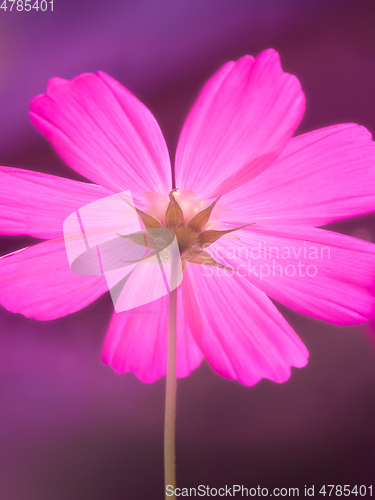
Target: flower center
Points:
x,y
191,235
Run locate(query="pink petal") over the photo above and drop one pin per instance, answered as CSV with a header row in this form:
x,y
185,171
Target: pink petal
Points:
x,y
38,282
104,132
240,123
137,341
37,204
338,286
320,177
241,333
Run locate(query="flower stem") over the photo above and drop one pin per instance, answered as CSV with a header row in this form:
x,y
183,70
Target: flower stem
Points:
x,y
170,399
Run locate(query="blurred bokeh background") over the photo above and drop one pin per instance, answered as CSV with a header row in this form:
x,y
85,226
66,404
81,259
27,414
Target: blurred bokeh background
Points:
x,y
72,429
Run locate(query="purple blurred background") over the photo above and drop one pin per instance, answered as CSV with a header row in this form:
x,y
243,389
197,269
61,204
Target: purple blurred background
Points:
x,y
72,429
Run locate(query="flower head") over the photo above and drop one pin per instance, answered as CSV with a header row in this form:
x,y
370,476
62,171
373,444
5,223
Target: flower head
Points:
x,y
246,214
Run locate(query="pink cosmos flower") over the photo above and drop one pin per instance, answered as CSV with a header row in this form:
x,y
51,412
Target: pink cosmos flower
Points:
x,y
236,144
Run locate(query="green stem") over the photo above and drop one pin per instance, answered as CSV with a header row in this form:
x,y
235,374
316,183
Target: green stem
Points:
x,y
170,398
